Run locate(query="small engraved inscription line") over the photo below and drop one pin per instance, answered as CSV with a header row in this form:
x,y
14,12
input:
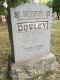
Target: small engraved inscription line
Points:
x,y
32,13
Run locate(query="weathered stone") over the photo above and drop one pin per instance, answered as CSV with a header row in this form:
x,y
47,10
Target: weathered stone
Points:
x,y
31,26
3,74
31,34
28,71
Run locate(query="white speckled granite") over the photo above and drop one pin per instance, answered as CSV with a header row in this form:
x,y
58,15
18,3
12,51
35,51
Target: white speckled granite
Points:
x,y
31,26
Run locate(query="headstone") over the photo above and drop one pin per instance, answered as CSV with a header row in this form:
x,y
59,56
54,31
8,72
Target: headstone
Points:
x,y
31,26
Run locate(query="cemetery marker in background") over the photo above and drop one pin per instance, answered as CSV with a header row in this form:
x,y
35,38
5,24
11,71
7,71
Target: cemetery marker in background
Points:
x,y
31,26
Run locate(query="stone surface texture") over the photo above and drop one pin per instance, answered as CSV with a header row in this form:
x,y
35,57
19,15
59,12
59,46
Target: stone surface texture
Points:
x,y
3,71
31,26
44,68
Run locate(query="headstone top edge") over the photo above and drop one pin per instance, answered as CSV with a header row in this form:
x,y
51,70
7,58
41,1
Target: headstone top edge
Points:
x,y
30,4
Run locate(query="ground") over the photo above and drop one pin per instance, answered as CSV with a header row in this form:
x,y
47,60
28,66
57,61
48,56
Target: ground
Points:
x,y
5,43
55,39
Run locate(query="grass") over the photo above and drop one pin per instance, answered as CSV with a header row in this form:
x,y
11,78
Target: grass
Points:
x,y
5,43
55,39
3,27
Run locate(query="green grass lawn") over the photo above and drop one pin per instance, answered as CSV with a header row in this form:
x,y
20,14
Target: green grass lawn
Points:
x,y
5,43
55,39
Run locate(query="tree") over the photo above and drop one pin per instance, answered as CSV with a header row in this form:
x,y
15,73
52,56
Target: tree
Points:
x,y
56,7
6,12
11,3
49,4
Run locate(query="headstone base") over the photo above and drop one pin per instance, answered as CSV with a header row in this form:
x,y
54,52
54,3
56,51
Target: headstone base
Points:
x,y
35,69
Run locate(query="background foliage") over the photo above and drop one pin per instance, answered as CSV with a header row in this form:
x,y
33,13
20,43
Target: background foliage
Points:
x,y
11,3
56,7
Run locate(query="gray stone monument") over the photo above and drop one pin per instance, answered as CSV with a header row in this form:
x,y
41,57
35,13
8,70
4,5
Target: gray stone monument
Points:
x,y
31,26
